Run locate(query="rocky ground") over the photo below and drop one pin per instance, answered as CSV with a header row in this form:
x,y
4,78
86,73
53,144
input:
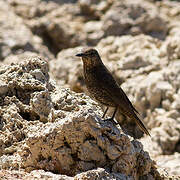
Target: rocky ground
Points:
x,y
50,128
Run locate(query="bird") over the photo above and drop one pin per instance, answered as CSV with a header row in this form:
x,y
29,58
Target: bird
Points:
x,y
102,87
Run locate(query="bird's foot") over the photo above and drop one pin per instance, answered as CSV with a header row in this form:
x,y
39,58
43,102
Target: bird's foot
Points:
x,y
112,120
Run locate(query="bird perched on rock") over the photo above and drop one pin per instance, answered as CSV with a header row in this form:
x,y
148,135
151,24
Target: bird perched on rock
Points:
x,y
102,86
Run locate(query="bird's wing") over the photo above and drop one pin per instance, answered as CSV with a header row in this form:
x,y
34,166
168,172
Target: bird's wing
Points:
x,y
108,83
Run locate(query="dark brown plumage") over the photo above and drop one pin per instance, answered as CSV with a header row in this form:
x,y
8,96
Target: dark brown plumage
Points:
x,y
103,87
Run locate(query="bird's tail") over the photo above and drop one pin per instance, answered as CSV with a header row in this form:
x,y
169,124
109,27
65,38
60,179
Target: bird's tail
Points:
x,y
141,124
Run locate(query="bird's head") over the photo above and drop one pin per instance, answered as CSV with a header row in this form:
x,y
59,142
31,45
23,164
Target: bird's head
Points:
x,y
90,56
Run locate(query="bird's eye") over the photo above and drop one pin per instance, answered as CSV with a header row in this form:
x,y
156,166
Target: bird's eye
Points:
x,y
92,53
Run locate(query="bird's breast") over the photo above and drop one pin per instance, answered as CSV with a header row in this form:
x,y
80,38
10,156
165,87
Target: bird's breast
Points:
x,y
95,88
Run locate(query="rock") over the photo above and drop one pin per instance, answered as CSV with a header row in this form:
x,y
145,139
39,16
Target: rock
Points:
x,y
171,74
60,131
137,17
106,17
45,20
139,43
67,70
98,173
94,31
15,37
176,103
171,47
36,174
129,56
170,163
18,82
165,135
13,59
59,157
39,100
89,10
3,88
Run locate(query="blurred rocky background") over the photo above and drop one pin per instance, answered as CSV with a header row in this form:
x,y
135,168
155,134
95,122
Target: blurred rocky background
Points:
x,y
49,131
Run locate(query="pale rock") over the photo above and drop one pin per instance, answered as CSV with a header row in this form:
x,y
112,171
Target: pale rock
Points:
x,y
57,130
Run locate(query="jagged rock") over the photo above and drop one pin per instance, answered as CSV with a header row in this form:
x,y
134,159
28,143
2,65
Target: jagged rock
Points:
x,y
19,86
98,174
147,68
36,174
15,37
13,59
134,17
129,56
60,131
90,21
171,163
67,69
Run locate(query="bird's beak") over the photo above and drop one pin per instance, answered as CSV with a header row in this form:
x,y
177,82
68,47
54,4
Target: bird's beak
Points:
x,y
80,54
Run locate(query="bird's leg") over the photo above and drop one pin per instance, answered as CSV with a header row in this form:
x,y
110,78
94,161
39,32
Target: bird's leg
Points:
x,y
105,112
112,118
114,113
